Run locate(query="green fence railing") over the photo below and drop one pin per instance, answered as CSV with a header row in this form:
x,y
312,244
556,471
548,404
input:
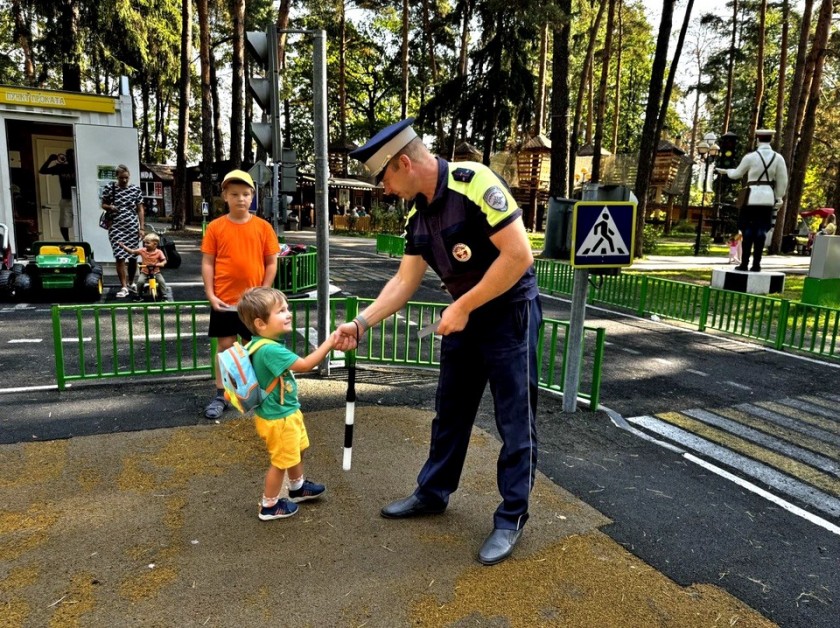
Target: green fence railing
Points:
x,y
122,340
780,323
392,245
106,341
296,273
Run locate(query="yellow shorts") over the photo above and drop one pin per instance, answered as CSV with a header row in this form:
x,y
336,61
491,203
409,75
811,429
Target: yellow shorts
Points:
x,y
285,438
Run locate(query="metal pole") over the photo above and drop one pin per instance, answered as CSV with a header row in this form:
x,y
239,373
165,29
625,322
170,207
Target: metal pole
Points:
x,y
322,222
702,206
275,198
574,341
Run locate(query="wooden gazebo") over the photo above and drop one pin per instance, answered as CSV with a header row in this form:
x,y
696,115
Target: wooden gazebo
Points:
x,y
666,165
533,167
337,157
466,152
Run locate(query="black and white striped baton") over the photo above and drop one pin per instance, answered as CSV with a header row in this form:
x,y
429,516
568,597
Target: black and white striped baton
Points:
x,y
350,411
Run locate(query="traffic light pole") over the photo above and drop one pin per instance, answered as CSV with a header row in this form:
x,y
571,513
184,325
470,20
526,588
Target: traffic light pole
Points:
x,y
322,221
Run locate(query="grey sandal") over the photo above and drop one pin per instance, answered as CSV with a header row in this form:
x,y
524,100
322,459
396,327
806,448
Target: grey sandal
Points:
x,y
214,409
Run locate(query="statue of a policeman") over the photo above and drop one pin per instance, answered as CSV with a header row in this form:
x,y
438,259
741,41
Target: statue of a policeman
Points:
x,y
767,181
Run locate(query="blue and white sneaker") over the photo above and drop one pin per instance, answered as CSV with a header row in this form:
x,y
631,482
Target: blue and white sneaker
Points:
x,y
309,490
282,509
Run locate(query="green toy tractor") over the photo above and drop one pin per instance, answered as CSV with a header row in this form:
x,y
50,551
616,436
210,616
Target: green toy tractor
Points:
x,y
59,266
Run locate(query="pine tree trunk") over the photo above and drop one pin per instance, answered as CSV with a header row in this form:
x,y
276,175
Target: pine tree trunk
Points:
x,y
602,94
802,154
778,232
558,181
404,62
784,218
618,68
218,147
206,106
574,142
181,193
237,66
543,64
730,68
647,148
759,73
22,36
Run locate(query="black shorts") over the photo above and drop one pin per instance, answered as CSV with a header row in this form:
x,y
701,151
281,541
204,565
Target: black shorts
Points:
x,y
227,324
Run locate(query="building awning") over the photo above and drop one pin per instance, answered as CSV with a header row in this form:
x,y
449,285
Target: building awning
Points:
x,y
338,183
159,172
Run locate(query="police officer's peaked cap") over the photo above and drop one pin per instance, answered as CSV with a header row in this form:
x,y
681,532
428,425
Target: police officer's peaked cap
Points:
x,y
765,133
379,149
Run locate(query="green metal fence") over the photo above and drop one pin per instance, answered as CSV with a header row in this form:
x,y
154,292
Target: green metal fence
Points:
x,y
107,341
296,273
123,340
780,323
392,245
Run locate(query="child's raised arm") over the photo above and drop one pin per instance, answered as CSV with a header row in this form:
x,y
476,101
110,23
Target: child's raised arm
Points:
x,y
303,365
128,250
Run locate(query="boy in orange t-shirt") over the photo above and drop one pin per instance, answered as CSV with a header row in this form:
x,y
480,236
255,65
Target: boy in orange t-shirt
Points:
x,y
239,251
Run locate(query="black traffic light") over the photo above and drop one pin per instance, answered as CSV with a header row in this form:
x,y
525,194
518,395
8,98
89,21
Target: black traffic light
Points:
x,y
265,90
728,157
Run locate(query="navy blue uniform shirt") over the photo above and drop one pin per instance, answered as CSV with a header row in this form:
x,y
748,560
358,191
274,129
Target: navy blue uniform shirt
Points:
x,y
452,232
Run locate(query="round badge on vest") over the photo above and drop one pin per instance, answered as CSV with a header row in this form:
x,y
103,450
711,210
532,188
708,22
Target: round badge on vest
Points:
x,y
461,252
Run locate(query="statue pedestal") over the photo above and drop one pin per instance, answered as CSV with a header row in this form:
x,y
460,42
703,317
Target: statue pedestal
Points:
x,y
825,257
764,282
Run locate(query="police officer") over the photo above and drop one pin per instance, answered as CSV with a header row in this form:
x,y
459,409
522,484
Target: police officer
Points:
x,y
767,179
464,223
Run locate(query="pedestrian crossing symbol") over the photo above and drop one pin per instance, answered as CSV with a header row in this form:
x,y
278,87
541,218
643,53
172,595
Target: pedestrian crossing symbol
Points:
x,y
603,234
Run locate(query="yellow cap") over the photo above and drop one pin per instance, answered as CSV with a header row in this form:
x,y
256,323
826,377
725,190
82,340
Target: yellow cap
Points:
x,y
239,176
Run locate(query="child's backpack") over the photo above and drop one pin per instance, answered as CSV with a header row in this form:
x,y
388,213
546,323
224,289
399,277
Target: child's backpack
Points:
x,y
239,378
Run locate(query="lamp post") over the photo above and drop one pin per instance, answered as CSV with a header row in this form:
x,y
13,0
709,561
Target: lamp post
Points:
x,y
708,150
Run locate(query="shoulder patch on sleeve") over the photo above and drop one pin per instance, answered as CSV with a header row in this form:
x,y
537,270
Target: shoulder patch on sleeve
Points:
x,y
495,198
464,175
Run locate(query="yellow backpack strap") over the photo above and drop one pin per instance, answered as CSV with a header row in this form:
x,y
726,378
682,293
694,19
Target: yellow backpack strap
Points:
x,y
253,347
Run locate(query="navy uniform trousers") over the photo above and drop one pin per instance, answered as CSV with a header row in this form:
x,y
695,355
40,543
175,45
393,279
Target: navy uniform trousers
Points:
x,y
499,346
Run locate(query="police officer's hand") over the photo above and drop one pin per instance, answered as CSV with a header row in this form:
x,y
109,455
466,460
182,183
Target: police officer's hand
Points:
x,y
454,318
720,170
344,337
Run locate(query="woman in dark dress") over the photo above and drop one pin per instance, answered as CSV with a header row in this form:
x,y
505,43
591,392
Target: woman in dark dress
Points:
x,y
124,203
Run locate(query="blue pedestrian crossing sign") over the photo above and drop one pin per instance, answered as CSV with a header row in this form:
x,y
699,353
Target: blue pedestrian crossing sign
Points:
x,y
603,233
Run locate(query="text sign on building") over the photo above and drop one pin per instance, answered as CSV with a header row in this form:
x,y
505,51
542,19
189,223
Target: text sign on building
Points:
x,y
26,97
603,233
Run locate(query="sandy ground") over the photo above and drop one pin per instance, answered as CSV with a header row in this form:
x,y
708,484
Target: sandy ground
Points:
x,y
159,528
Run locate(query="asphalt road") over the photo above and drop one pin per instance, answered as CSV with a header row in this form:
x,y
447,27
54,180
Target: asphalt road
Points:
x,y
714,405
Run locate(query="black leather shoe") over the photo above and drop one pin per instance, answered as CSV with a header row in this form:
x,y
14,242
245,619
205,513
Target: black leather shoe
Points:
x,y
411,506
755,269
498,546
741,267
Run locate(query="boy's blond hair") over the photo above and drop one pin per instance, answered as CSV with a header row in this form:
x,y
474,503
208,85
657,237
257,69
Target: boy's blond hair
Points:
x,y
151,236
257,303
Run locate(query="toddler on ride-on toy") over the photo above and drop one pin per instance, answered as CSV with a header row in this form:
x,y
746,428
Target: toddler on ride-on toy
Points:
x,y
152,260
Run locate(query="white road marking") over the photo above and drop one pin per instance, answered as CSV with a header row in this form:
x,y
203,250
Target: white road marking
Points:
x,y
769,476
796,510
737,385
700,373
631,351
765,440
664,360
25,341
86,339
21,389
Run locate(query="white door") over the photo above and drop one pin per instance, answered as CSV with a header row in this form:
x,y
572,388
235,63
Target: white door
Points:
x,y
49,191
99,150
